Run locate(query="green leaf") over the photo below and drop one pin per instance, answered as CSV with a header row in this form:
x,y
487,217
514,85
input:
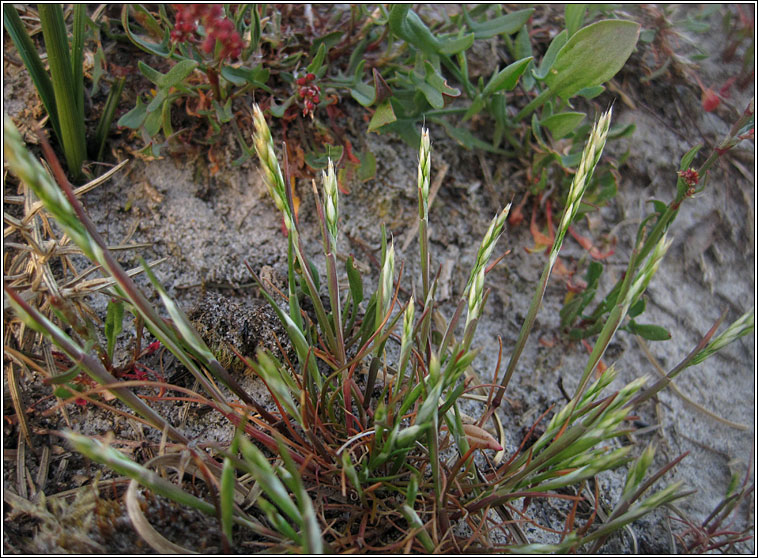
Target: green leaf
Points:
x,y
176,74
279,110
433,78
620,131
404,23
455,45
258,76
507,78
508,23
318,60
153,123
163,50
113,324
356,283
364,93
649,331
553,49
135,117
157,101
466,138
637,308
223,113
688,157
382,116
150,73
475,108
367,170
574,17
591,92
432,95
65,392
592,56
562,124
227,498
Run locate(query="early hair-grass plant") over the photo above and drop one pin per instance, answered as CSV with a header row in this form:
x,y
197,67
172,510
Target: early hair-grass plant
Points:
x,y
371,447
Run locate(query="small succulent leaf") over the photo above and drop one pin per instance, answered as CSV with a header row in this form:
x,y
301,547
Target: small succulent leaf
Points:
x,y
318,60
563,123
150,73
430,93
433,78
454,45
176,74
507,78
153,123
591,93
364,93
157,102
637,308
649,331
135,117
258,76
407,25
592,56
508,23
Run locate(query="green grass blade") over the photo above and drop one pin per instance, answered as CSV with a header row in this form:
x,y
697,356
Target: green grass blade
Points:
x,y
77,55
106,119
28,52
70,111
227,498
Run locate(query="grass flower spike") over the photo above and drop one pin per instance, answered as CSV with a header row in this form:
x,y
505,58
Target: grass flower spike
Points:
x,y
590,157
331,203
272,173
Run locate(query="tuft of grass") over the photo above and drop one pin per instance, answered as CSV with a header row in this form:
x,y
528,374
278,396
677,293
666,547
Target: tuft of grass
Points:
x,y
368,446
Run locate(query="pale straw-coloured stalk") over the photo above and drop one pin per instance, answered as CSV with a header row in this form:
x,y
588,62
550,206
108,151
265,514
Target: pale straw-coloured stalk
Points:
x,y
590,157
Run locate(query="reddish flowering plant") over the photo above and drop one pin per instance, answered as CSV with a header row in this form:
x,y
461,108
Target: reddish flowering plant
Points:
x,y
217,27
309,92
690,176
